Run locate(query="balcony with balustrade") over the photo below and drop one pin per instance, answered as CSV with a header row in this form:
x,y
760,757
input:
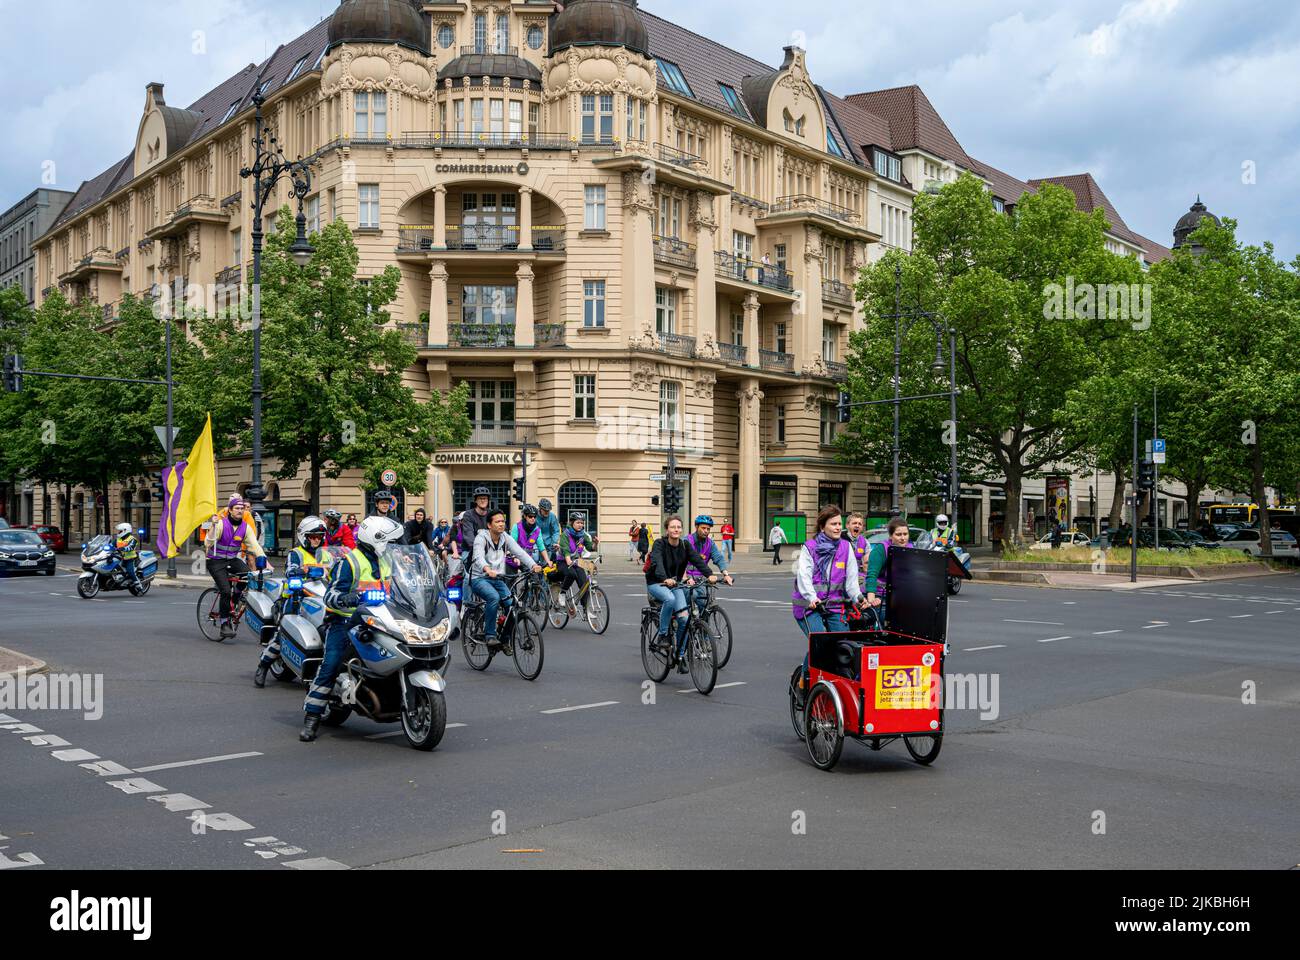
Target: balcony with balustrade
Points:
x,y
740,274
674,252
666,164
837,293
547,242
832,217
675,345
480,336
99,260
775,362
198,209
486,140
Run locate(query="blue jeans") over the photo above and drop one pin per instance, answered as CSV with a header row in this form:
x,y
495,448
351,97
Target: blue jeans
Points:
x,y
672,603
495,594
726,546
338,644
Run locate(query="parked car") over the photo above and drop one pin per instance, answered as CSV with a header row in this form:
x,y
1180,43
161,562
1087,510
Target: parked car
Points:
x,y
1146,540
1069,538
1248,542
920,538
23,551
4,524
1199,542
51,535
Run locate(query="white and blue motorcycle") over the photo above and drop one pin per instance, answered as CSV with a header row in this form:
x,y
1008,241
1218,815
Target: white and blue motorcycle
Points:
x,y
401,650
104,569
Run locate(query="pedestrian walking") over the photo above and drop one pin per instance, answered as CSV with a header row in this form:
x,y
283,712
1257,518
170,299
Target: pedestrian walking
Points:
x,y
776,537
728,538
633,535
643,543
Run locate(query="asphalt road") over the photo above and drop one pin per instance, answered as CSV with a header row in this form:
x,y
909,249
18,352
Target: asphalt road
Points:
x,y
1121,710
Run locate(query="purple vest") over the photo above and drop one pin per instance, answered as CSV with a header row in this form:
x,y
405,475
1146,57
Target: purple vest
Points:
x,y
527,541
230,542
882,582
705,551
829,585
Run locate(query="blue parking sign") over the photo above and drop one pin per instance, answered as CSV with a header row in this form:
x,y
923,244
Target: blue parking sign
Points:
x,y
1158,446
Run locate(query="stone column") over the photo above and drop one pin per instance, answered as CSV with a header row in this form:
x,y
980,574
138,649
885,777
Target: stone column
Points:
x,y
440,217
638,293
751,329
524,333
438,305
525,218
749,533
807,327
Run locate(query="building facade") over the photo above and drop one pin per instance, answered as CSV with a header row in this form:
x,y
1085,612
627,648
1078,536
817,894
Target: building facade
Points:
x,y
632,242
20,225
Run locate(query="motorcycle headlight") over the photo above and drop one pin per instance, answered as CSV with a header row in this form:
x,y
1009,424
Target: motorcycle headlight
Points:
x,y
418,636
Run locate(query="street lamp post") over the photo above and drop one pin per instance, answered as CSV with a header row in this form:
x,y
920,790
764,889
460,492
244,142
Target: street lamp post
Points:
x,y
903,323
269,165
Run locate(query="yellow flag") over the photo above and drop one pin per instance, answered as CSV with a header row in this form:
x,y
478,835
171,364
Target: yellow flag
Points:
x,y
192,494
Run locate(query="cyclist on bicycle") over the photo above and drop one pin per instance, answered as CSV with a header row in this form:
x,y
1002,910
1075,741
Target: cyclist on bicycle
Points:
x,y
573,542
231,535
307,560
338,533
550,525
702,541
491,548
528,535
665,571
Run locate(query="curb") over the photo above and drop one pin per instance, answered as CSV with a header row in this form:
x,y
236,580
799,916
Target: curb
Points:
x,y
31,666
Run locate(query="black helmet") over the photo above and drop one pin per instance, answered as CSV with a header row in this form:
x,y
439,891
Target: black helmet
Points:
x,y
481,491
333,515
529,510
383,495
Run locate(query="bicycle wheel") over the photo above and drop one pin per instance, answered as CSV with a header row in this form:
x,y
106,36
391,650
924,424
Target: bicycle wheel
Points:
x,y
796,711
557,609
208,613
821,729
720,625
703,659
477,653
924,749
597,610
529,648
656,662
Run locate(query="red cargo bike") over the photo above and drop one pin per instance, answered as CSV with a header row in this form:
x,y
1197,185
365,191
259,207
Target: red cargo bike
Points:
x,y
881,685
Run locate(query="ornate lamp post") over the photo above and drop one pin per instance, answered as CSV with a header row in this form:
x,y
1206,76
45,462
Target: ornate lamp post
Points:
x,y
269,165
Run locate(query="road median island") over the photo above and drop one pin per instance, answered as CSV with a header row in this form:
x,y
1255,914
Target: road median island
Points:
x,y
1080,568
13,663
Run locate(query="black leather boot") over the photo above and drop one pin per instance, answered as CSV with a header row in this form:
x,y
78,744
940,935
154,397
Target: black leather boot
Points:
x,y
310,728
259,678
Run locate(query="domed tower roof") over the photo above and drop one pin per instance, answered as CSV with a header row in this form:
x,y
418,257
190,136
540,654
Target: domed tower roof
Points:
x,y
379,21
490,65
606,23
1190,220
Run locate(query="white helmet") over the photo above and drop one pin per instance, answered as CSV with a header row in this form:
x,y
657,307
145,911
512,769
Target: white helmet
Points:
x,y
124,529
309,526
942,519
379,532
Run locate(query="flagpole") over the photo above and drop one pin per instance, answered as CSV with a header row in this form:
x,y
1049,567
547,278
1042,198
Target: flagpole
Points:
x,y
171,451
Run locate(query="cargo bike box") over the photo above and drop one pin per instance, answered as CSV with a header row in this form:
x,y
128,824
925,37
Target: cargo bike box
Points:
x,y
879,685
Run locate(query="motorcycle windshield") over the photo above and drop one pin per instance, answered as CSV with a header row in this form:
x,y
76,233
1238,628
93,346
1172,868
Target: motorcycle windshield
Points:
x,y
98,545
417,587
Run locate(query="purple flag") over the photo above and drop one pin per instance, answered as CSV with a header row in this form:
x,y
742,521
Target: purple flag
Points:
x,y
173,482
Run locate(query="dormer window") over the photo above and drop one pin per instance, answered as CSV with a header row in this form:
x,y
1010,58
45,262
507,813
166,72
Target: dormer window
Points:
x,y
297,69
733,101
672,75
832,144
231,112
888,166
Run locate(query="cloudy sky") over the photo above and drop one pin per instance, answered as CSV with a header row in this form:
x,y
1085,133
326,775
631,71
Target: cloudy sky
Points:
x,y
1158,99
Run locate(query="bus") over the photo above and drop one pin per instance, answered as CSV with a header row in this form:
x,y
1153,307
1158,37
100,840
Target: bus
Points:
x,y
1243,513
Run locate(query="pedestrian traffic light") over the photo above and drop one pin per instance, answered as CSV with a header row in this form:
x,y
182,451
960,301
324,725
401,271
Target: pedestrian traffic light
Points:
x,y
518,487
846,414
13,374
1146,475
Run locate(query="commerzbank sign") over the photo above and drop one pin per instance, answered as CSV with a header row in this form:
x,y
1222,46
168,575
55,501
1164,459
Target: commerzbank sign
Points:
x,y
518,169
474,458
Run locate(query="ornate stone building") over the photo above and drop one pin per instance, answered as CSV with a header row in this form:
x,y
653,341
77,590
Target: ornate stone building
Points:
x,y
624,236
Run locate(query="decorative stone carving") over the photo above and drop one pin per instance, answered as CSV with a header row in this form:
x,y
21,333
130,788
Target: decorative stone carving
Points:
x,y
599,70
817,368
703,212
751,400
192,242
708,349
384,67
704,384
643,376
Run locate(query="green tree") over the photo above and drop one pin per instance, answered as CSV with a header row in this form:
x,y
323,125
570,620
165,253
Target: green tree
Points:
x,y
1021,292
334,372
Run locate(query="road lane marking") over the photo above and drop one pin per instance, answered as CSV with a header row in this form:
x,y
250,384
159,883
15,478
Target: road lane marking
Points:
x,y
399,733
1102,633
195,763
1053,639
1042,623
316,863
1270,612
584,706
1155,626
1240,616
996,646
720,686
1006,600
1205,620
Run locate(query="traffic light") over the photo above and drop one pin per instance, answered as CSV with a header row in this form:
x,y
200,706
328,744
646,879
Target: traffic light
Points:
x,y
518,488
159,491
654,501
1146,475
846,413
672,500
943,483
13,375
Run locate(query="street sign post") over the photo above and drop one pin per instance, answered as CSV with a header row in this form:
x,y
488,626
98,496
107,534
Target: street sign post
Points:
x,y
162,438
1158,451
389,478
658,477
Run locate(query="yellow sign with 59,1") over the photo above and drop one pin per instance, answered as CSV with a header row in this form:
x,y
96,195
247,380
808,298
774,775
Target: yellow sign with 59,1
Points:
x,y
903,688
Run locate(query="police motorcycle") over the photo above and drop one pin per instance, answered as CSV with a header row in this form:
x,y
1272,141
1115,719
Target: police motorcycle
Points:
x,y
940,543
104,568
302,599
402,644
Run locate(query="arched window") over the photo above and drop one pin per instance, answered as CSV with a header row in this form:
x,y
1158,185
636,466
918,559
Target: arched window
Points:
x,y
581,496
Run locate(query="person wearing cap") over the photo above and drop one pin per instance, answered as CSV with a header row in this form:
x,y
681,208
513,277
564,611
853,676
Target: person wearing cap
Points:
x,y
231,536
338,533
703,544
574,541
550,524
